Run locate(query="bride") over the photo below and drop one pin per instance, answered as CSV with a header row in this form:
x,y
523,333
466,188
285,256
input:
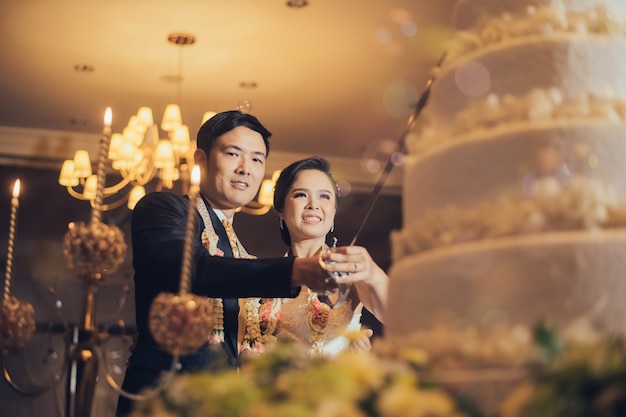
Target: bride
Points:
x,y
305,199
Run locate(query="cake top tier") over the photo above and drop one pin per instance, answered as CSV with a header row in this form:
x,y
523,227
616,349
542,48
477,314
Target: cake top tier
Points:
x,y
468,13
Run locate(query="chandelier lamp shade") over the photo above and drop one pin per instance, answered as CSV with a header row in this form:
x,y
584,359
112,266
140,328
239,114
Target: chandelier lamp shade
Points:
x,y
138,155
265,198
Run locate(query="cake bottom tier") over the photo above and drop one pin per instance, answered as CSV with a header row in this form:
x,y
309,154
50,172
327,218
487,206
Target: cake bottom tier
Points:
x,y
558,277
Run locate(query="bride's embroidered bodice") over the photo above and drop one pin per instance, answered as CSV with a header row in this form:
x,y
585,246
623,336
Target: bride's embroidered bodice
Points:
x,y
305,319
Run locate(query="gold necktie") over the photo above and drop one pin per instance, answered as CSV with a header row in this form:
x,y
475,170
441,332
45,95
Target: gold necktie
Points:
x,y
241,317
232,238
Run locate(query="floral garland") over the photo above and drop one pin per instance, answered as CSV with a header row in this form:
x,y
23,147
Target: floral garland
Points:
x,y
271,314
259,327
217,336
317,319
262,317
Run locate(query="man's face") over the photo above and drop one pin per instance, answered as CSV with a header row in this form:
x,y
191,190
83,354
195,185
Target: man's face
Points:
x,y
233,170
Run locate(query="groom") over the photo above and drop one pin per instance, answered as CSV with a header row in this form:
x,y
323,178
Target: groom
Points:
x,y
232,148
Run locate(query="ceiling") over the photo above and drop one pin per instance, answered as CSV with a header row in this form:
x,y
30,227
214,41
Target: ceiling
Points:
x,y
335,78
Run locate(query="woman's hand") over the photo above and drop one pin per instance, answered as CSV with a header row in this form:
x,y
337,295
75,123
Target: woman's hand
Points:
x,y
371,282
357,262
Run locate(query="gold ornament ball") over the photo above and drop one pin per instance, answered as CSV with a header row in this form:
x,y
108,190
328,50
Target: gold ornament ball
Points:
x,y
17,325
181,324
94,249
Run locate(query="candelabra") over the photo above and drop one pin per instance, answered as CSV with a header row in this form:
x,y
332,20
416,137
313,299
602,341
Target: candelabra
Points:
x,y
180,323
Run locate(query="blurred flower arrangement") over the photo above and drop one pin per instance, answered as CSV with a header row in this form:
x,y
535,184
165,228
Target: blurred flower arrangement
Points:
x,y
287,382
575,372
581,376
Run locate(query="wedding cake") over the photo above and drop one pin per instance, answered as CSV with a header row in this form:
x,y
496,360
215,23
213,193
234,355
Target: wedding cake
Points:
x,y
515,181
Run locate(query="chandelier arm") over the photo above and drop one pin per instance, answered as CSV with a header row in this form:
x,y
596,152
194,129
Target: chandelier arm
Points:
x,y
38,390
75,193
166,378
110,206
121,303
147,176
117,187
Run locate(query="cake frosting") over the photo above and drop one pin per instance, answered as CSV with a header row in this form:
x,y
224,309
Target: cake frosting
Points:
x,y
514,198
469,13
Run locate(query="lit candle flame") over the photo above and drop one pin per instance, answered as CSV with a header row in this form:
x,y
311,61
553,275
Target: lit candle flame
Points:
x,y
108,117
195,175
16,188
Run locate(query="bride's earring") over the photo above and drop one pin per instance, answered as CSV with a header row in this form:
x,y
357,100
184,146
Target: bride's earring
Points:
x,y
280,223
332,228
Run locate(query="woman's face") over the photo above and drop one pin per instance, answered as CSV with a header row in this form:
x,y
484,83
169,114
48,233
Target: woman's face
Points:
x,y
310,206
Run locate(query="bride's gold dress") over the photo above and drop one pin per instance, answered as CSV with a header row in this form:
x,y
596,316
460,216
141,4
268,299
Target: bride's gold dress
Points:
x,y
306,320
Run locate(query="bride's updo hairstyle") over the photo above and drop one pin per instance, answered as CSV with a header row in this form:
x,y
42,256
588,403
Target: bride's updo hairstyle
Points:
x,y
288,177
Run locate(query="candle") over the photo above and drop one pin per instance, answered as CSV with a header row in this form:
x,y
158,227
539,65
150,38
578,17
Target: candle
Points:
x,y
194,193
108,119
96,212
15,202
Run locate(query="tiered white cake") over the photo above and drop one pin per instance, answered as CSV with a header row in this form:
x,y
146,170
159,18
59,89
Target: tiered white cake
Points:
x,y
514,187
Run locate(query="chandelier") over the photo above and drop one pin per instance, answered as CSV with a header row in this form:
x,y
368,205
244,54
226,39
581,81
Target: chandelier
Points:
x,y
139,155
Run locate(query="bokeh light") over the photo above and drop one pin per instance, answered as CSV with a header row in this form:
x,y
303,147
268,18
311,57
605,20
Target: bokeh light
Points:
x,y
372,165
473,79
408,29
383,35
244,106
398,97
433,41
397,158
529,184
494,316
345,188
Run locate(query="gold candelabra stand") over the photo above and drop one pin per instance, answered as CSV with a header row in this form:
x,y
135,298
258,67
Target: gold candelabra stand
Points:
x,y
94,250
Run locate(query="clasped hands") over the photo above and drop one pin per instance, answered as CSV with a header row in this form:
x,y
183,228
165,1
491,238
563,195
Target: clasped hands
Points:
x,y
343,265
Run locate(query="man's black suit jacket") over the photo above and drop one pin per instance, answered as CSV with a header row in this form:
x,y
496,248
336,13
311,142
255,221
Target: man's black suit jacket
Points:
x,y
158,228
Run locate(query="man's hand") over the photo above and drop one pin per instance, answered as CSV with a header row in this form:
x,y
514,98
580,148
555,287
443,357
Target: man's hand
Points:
x,y
309,272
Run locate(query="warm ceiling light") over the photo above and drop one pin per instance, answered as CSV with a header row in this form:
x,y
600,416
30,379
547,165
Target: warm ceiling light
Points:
x,y
84,68
181,38
297,4
248,84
